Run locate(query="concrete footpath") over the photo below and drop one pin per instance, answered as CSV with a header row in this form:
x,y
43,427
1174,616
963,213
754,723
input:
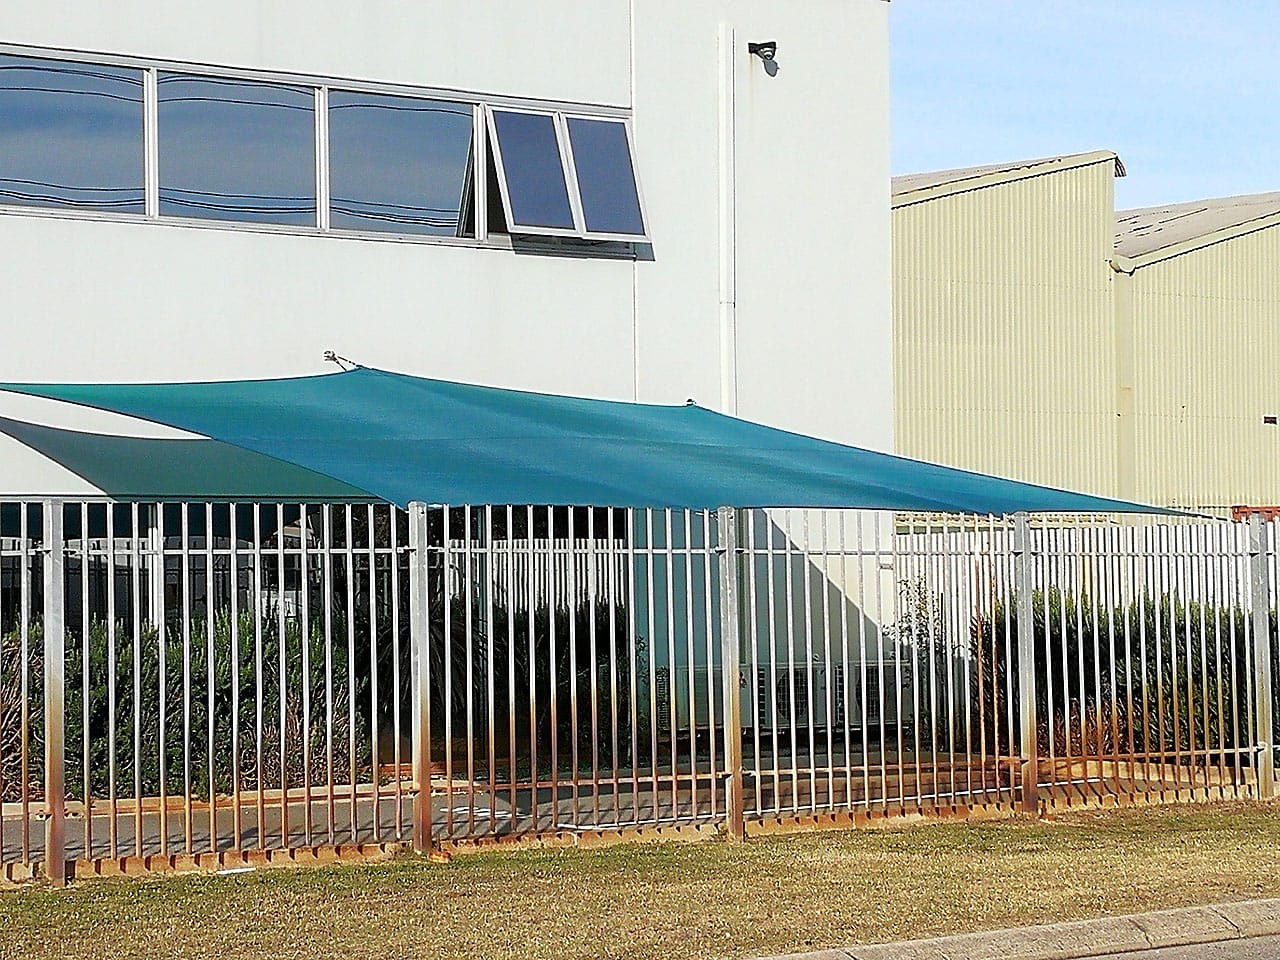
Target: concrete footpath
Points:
x,y
1082,939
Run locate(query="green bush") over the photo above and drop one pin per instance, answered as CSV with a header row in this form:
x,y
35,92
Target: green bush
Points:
x,y
11,714
1158,677
255,705
198,715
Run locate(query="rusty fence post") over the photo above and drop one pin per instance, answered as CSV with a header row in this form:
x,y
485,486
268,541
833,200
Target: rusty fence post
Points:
x,y
420,665
1260,609
731,669
55,851
1028,739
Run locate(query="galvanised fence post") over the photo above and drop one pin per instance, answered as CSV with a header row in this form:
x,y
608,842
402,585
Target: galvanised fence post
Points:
x,y
419,635
1260,608
55,853
1028,739
730,660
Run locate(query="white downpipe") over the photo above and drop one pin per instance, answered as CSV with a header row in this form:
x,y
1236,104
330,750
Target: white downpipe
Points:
x,y
728,223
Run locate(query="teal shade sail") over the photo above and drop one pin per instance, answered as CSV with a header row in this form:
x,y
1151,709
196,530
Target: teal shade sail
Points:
x,y
401,439
140,468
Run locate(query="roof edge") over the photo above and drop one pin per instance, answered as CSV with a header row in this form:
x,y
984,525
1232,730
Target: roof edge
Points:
x,y
1023,171
1123,264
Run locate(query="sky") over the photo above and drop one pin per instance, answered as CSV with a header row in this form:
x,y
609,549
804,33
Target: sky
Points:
x,y
1187,92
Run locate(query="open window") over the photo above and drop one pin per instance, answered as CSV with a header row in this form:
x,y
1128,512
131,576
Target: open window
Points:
x,y
566,175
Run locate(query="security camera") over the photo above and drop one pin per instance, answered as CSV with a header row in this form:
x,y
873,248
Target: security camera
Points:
x,y
765,50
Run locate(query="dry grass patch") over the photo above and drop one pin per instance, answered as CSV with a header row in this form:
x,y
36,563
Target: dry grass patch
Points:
x,y
702,900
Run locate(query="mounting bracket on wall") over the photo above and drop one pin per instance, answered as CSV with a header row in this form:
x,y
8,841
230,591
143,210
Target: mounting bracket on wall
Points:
x,y
341,361
767,51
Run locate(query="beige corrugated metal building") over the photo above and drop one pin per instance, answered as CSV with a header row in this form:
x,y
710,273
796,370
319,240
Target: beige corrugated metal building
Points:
x,y
1039,335
1197,308
1003,360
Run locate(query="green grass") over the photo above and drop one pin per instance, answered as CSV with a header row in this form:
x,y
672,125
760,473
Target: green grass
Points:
x,y
699,900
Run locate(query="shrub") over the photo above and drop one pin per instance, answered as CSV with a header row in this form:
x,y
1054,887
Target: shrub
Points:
x,y
1161,676
201,712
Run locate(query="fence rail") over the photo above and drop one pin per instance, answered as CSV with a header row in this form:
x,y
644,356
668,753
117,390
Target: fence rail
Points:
x,y
217,681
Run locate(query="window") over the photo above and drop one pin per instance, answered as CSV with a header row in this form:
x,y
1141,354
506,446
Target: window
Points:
x,y
232,150
606,176
566,175
166,140
531,172
398,164
70,135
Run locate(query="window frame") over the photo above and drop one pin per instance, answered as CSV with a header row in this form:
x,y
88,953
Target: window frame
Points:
x,y
319,197
561,118
465,218
71,207
642,237
596,245
566,170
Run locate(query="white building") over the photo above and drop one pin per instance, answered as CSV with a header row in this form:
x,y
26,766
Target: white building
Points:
x,y
217,192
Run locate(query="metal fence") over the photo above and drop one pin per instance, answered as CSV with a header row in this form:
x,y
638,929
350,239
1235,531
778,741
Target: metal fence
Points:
x,y
218,683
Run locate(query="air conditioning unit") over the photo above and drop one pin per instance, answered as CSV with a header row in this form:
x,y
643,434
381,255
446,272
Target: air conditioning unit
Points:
x,y
803,694
816,695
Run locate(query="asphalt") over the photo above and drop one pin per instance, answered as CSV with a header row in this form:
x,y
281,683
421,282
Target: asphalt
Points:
x,y
1228,931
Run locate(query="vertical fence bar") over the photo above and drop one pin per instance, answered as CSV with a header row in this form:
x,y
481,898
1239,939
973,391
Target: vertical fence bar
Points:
x,y
513,772
327,539
210,675
282,693
303,614
112,798
1028,737
55,859
1260,607
489,562
233,562
846,708
185,547
86,771
771,623
531,625
393,561
865,713
730,649
419,637
469,584
691,660
136,552
810,715
447,572
371,599
591,602
673,705
708,643
353,774
789,638
24,722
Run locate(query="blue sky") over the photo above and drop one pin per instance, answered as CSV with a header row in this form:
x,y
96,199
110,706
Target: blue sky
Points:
x,y
1188,93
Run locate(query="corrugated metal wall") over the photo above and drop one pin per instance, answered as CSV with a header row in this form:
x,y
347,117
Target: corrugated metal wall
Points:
x,y
1206,369
1004,350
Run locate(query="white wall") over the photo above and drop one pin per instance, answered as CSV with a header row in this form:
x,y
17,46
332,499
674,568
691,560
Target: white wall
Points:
x,y
814,339
554,50
93,300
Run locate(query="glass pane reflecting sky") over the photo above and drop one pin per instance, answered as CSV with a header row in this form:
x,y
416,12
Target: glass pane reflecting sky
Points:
x,y
606,176
231,150
535,174
397,163
70,135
